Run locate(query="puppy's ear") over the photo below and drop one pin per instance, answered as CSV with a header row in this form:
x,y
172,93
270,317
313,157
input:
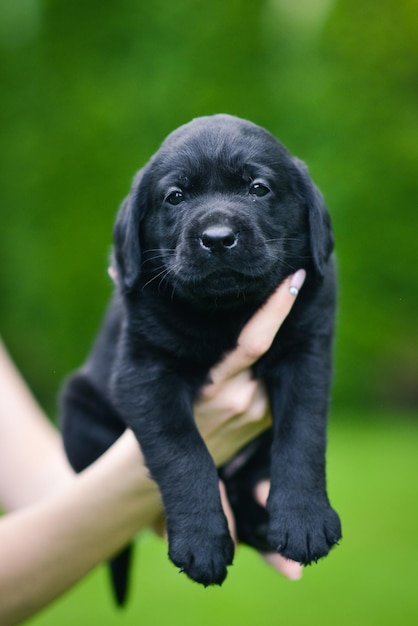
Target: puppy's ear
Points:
x,y
320,230
126,233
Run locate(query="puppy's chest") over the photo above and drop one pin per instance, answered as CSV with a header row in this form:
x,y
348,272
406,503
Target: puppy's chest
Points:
x,y
204,346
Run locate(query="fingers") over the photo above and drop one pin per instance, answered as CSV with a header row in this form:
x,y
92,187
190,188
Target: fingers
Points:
x,y
228,511
261,492
230,418
234,399
235,396
286,567
289,569
258,334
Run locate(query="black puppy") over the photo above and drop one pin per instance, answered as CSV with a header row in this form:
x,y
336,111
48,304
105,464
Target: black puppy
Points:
x,y
220,215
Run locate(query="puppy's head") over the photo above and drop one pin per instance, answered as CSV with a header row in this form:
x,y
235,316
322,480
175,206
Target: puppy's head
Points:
x,y
221,213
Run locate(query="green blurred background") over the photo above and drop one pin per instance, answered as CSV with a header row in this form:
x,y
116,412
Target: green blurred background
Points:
x,y
89,89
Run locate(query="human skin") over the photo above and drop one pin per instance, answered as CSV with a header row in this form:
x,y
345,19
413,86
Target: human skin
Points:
x,y
61,525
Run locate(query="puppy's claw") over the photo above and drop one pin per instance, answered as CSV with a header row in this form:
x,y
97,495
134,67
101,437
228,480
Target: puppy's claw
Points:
x,y
305,538
204,560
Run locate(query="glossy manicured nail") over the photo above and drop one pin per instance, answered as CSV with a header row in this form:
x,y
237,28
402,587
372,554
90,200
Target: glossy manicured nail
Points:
x,y
297,282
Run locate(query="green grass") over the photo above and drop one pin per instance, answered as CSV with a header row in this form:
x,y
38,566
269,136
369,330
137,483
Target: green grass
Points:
x,y
370,579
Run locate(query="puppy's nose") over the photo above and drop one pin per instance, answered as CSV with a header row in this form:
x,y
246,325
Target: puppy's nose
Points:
x,y
218,239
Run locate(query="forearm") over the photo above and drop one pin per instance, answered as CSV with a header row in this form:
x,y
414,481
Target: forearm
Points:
x,y
48,547
32,460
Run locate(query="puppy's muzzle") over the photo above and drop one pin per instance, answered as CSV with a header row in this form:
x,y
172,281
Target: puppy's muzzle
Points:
x,y
218,239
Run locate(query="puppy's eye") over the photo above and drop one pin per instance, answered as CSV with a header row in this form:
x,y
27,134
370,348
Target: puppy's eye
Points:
x,y
175,197
258,189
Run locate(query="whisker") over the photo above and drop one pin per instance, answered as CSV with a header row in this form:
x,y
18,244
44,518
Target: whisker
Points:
x,y
163,271
286,264
162,254
159,250
281,239
153,258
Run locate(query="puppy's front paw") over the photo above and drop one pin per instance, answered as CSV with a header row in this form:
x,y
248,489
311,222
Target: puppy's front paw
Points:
x,y
303,531
202,550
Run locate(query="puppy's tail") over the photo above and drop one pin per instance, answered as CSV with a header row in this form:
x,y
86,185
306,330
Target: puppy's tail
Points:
x,y
120,569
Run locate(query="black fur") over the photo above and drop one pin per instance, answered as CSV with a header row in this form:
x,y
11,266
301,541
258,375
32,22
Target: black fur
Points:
x,y
220,215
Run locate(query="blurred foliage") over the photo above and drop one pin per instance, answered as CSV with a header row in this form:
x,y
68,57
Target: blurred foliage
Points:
x,y
90,89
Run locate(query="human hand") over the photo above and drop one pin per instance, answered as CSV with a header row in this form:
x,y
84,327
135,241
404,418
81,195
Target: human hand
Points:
x,y
233,409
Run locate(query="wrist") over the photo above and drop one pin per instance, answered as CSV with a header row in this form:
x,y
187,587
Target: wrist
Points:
x,y
128,477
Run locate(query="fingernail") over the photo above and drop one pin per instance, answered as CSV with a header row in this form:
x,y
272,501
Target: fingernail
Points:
x,y
297,281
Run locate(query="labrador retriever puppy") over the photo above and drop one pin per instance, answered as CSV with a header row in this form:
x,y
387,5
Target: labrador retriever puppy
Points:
x,y
219,216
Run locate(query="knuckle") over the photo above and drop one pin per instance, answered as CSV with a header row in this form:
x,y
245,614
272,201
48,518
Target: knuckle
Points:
x,y
245,401
257,412
256,347
238,405
207,393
